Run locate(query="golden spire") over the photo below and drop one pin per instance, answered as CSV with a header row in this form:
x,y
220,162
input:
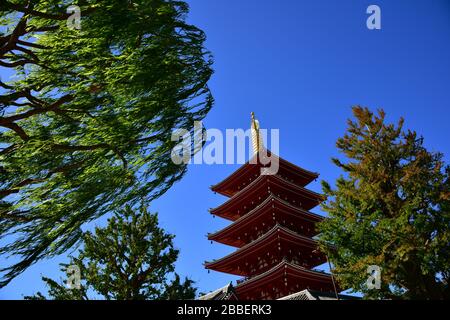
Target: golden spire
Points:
x,y
257,141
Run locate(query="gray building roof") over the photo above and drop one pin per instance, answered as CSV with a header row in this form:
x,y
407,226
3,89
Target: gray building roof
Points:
x,y
224,293
227,293
316,295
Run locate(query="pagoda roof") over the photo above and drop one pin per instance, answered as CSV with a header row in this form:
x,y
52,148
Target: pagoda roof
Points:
x,y
224,293
259,185
229,186
229,263
285,269
228,234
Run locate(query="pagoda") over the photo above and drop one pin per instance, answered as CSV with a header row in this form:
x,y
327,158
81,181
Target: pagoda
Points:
x,y
271,228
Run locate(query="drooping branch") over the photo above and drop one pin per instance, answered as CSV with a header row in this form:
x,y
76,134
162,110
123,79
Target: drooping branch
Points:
x,y
6,99
18,63
10,41
29,11
8,149
29,181
17,129
106,146
53,107
51,16
17,187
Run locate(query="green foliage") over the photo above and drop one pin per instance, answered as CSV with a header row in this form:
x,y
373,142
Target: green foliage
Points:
x,y
390,209
60,291
177,290
86,121
130,259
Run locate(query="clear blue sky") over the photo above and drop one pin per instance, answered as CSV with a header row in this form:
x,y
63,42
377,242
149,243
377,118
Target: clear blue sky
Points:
x,y
300,65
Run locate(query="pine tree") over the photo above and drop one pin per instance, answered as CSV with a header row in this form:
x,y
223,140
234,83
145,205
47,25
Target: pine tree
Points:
x,y
389,209
87,117
131,258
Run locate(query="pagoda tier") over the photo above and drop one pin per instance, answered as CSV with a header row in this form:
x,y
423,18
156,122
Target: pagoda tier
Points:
x,y
282,280
264,217
273,247
252,169
262,187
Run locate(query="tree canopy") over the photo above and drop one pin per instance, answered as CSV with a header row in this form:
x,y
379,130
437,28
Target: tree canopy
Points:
x,y
389,209
129,259
86,120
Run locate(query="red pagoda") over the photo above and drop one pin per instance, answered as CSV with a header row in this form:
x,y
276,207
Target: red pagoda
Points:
x,y
272,229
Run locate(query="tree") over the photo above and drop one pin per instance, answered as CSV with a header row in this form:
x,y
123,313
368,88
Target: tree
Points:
x,y
130,259
390,209
87,119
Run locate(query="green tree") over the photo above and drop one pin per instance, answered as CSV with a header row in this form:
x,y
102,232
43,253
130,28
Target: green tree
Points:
x,y
390,209
86,120
130,259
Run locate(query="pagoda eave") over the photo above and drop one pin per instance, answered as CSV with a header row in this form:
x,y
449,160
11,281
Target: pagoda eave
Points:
x,y
262,187
288,276
229,186
233,233
278,237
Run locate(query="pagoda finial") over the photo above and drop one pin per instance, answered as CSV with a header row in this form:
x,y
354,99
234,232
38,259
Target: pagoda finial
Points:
x,y
257,142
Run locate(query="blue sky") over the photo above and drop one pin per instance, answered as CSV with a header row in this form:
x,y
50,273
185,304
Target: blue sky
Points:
x,y
300,66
